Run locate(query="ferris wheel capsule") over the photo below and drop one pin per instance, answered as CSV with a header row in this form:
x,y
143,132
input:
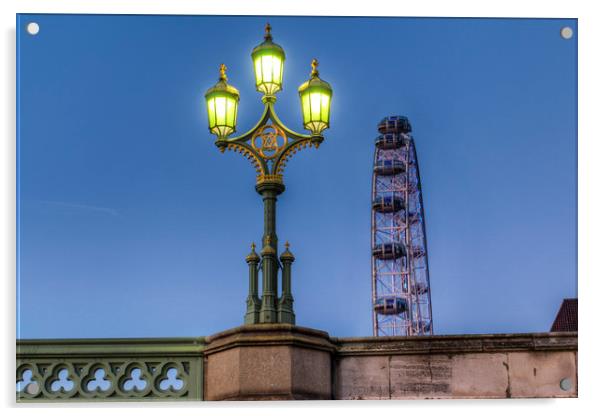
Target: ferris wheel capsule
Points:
x,y
389,167
394,124
390,305
387,204
389,141
389,251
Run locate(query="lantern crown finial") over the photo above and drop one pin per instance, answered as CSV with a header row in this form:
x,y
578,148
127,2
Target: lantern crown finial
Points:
x,y
314,80
222,84
314,68
222,72
268,32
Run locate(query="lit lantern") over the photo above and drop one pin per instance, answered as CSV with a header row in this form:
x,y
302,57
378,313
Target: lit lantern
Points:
x,y
222,106
315,96
268,62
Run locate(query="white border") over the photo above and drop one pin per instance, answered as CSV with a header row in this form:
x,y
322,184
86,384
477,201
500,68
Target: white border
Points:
x,y
459,8
590,206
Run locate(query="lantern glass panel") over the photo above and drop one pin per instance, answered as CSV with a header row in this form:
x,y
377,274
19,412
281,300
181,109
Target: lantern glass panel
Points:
x,y
211,112
305,108
325,108
220,110
230,112
258,74
315,99
267,66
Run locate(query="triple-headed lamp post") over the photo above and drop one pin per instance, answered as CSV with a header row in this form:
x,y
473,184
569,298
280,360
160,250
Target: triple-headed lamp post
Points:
x,y
269,145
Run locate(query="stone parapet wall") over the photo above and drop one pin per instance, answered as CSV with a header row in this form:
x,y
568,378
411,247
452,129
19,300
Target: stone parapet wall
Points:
x,y
287,362
464,366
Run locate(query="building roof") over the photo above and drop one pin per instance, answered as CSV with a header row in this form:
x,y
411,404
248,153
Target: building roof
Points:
x,y
566,319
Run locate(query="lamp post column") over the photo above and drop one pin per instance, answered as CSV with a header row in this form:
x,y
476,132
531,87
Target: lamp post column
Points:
x,y
269,191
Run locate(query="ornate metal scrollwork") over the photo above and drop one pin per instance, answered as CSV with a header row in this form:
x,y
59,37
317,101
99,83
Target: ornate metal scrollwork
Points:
x,y
269,145
272,140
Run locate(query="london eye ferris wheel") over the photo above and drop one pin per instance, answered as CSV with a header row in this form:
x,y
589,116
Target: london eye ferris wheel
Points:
x,y
401,295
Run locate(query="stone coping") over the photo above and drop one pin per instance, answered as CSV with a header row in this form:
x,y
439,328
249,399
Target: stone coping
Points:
x,y
286,334
443,344
269,335
107,347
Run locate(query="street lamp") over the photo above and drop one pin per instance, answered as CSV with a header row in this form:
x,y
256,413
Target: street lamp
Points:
x,y
269,145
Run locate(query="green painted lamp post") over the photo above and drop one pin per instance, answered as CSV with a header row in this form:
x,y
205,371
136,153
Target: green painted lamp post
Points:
x,y
269,145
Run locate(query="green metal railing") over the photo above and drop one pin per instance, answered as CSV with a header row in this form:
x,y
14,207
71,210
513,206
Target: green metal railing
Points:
x,y
110,369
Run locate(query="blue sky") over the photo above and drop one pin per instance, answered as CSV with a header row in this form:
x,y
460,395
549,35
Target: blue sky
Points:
x,y
131,223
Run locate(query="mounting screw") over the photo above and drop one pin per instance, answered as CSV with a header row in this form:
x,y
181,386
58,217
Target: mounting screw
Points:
x,y
566,32
33,28
32,388
565,384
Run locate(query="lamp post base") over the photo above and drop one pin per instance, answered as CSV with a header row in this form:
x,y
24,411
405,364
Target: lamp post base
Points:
x,y
269,362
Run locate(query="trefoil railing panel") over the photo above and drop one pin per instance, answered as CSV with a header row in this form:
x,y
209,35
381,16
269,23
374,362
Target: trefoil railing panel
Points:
x,y
110,369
